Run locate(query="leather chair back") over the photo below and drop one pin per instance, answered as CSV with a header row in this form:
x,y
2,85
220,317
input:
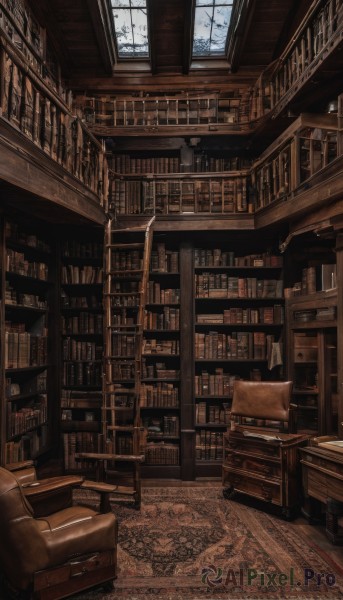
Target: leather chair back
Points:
x,y
267,400
22,549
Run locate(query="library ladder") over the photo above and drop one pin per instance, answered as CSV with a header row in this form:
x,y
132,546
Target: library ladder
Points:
x,y
127,262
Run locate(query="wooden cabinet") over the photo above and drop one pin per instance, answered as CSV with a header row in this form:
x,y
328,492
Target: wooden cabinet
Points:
x,y
266,469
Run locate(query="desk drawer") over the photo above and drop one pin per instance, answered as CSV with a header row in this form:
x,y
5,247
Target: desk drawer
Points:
x,y
263,489
252,464
322,486
264,449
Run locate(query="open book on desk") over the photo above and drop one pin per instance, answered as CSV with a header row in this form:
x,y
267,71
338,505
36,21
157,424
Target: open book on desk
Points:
x,y
335,445
262,436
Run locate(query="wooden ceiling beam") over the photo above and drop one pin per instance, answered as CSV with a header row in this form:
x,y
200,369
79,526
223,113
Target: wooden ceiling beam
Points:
x,y
104,32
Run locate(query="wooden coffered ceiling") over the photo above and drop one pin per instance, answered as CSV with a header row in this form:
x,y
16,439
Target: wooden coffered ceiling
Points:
x,y
81,33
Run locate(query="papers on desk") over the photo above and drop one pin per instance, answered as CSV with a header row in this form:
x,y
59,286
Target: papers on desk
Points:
x,y
262,436
335,445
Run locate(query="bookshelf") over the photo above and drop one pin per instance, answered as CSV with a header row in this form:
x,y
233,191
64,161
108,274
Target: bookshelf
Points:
x,y
238,324
160,390
311,315
28,312
208,193
81,311
162,112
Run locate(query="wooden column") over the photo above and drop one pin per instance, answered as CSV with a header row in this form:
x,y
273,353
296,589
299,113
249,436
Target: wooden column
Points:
x,y
187,446
339,262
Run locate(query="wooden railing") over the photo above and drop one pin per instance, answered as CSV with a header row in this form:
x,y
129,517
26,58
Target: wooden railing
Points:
x,y
317,37
296,158
29,105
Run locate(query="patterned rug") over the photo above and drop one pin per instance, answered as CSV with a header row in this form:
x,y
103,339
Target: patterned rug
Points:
x,y
189,543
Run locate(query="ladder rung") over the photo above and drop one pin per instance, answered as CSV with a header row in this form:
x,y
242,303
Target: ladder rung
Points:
x,y
125,272
121,428
123,294
108,456
128,245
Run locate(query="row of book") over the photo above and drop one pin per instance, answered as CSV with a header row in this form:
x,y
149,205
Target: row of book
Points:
x,y
158,371
29,445
224,195
32,386
78,249
50,124
243,345
123,344
216,257
159,395
16,263
124,163
120,301
212,414
214,384
208,445
220,285
82,323
268,315
81,399
25,350
77,350
158,295
15,234
122,370
162,426
168,320
80,374
126,260
79,441
84,275
90,301
16,298
20,420
153,346
161,453
163,260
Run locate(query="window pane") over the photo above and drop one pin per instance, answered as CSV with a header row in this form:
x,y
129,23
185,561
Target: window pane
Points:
x,y
131,27
124,3
220,26
211,23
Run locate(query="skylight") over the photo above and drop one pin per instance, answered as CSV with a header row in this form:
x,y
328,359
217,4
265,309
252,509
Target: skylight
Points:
x,y
211,23
131,27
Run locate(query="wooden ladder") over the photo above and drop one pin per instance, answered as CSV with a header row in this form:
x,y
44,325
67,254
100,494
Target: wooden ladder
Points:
x,y
127,262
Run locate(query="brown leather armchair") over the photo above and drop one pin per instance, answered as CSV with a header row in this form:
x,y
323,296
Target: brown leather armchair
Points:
x,y
56,555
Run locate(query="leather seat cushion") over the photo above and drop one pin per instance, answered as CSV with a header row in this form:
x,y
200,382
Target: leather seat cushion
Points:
x,y
75,531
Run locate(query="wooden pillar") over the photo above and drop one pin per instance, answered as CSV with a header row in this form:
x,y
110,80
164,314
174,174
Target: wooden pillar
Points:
x,y
187,446
339,263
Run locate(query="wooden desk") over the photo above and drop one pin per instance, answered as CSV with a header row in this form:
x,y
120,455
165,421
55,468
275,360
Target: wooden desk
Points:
x,y
267,470
322,474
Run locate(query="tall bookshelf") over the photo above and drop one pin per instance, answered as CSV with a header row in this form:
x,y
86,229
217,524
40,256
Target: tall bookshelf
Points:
x,y
28,314
238,324
312,341
160,390
81,311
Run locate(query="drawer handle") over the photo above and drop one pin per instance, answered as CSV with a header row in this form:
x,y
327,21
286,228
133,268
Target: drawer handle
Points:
x,y
266,493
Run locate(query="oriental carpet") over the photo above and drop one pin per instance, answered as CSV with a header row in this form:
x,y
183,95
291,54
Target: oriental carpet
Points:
x,y
190,543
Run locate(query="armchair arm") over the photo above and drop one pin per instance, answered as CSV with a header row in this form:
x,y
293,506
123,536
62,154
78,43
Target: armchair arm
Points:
x,y
50,495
